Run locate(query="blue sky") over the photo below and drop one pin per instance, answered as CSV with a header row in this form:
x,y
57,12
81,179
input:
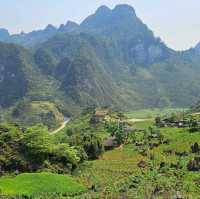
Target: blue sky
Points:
x,y
177,22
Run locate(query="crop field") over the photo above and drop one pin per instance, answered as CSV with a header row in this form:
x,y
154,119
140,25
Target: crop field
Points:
x,y
152,113
117,172
33,184
112,167
153,163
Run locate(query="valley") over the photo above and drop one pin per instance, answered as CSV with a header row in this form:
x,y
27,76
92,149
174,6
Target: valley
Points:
x,y
146,160
103,109
111,61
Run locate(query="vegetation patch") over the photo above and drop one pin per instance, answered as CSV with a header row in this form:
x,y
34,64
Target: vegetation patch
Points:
x,y
31,113
32,184
152,113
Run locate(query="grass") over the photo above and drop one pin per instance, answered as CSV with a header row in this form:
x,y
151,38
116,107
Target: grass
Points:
x,y
144,125
33,184
152,113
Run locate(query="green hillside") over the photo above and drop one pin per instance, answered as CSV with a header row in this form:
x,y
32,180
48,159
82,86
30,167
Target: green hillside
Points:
x,y
15,67
32,113
112,59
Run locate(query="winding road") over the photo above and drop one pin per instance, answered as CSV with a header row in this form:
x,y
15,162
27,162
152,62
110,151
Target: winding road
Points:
x,y
66,120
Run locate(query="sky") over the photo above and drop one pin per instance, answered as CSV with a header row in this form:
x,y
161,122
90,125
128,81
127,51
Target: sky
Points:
x,y
176,22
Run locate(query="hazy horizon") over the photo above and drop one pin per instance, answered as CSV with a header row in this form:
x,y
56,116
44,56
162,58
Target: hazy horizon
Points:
x,y
179,28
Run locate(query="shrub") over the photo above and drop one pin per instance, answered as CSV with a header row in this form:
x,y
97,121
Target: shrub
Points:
x,y
194,165
195,148
92,144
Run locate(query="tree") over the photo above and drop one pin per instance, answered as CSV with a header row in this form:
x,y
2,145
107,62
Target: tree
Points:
x,y
92,144
66,155
33,149
120,134
111,127
37,143
193,125
158,122
116,129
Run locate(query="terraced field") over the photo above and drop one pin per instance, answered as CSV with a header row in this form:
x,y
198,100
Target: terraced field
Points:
x,y
113,167
118,172
152,163
152,113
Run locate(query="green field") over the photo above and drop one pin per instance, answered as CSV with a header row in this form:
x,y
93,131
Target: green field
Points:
x,y
111,168
151,163
117,172
152,113
33,184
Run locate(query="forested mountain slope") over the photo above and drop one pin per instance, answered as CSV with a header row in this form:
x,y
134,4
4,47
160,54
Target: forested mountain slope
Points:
x,y
111,59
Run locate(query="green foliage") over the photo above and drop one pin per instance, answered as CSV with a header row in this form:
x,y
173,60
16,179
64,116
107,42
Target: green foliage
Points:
x,y
112,127
66,154
37,144
155,164
33,149
92,144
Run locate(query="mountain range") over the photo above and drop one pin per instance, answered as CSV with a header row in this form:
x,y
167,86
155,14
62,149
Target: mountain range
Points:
x,y
111,59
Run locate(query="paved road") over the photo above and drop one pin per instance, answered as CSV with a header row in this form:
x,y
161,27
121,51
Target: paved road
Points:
x,y
66,120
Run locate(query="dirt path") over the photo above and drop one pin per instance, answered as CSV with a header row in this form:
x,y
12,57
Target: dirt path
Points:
x,y
61,127
133,120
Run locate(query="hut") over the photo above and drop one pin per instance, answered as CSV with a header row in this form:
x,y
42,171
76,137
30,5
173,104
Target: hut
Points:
x,y
110,143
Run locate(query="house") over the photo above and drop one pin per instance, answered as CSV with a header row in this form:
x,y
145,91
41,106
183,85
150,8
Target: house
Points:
x,y
98,117
110,143
178,123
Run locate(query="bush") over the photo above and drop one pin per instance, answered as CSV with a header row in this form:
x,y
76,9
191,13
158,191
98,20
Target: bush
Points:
x,y
34,149
92,145
117,129
194,165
